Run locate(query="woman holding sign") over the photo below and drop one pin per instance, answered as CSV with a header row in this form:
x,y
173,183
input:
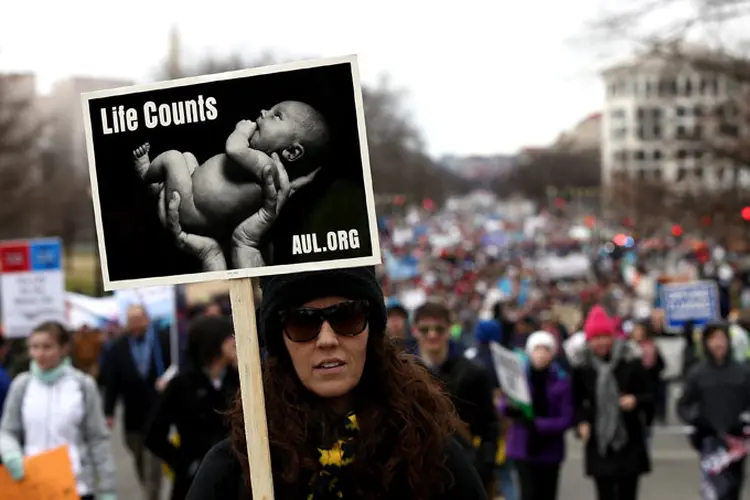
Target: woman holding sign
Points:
x,y
611,393
536,443
349,415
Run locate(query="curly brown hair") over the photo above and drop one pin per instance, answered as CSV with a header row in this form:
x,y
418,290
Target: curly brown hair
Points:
x,y
405,420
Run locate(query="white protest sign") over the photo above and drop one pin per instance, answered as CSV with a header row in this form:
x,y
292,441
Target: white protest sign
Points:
x,y
511,374
32,285
697,301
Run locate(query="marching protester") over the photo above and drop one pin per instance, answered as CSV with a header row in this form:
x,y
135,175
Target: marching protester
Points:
x,y
195,401
469,386
136,363
349,415
55,405
536,442
611,389
715,400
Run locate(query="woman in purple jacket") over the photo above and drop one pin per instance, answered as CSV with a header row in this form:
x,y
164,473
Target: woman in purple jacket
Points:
x,y
537,445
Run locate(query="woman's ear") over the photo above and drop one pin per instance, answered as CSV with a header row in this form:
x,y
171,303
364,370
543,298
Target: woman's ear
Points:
x,y
293,152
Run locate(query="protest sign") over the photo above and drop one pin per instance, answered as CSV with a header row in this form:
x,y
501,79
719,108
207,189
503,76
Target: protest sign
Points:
x,y
48,476
213,141
32,285
697,301
233,176
512,377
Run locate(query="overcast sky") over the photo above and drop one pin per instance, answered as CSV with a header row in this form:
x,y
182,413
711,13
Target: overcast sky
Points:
x,y
482,76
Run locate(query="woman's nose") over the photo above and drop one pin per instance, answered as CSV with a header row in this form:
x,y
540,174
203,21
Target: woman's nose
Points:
x,y
327,335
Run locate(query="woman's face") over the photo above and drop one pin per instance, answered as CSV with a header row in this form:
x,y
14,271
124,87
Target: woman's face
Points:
x,y
541,357
330,365
45,351
601,345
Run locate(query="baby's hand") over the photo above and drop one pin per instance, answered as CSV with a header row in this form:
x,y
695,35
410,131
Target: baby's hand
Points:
x,y
246,127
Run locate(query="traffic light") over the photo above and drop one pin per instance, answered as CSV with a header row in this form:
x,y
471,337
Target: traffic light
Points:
x,y
745,213
677,230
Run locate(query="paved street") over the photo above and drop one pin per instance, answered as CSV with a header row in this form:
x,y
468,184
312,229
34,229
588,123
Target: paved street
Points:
x,y
674,476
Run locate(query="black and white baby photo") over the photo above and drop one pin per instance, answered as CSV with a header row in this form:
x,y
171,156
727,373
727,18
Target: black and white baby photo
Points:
x,y
249,172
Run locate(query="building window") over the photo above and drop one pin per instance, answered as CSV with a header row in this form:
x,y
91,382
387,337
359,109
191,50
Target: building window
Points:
x,y
698,110
617,114
642,174
681,174
619,133
681,154
697,154
697,132
688,87
699,172
620,156
681,132
657,132
657,154
649,89
680,111
729,130
667,87
657,174
639,155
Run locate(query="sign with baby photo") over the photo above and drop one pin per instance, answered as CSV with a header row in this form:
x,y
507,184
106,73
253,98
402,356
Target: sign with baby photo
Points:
x,y
240,174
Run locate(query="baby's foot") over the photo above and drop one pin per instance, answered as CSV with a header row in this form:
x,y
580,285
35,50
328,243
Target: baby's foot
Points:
x,y
141,160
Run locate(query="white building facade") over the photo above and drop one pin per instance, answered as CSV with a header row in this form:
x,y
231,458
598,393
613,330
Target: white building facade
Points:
x,y
657,120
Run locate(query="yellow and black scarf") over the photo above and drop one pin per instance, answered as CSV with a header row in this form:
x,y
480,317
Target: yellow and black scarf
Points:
x,y
326,485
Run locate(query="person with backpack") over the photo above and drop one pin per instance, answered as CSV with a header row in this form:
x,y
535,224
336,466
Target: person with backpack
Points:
x,y
54,405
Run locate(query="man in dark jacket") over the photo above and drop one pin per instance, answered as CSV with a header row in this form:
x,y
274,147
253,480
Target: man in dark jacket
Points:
x,y
135,366
468,384
715,401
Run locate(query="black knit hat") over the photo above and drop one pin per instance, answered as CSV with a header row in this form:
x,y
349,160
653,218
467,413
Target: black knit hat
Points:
x,y
292,290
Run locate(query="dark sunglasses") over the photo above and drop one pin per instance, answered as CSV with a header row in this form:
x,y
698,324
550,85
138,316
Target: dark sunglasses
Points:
x,y
346,318
439,329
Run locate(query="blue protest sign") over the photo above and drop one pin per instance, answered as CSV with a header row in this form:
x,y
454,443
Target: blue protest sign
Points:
x,y
46,255
697,301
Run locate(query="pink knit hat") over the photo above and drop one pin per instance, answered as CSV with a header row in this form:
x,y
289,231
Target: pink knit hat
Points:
x,y
598,323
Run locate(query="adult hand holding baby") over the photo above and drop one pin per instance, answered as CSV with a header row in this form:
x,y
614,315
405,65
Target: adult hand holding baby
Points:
x,y
247,236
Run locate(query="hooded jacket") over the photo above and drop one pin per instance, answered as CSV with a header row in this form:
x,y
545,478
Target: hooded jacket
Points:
x,y
553,426
715,394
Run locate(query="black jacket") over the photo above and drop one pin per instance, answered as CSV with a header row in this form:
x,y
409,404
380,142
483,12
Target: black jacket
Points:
x,y
220,478
196,408
470,388
714,397
633,459
122,380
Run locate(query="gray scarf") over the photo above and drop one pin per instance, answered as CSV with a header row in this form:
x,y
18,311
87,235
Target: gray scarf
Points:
x,y
609,426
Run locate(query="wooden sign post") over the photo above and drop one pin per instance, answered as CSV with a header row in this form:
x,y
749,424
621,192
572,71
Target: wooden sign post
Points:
x,y
242,295
144,144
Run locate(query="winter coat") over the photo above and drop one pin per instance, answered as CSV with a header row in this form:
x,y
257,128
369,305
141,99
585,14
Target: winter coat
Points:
x,y
633,459
552,426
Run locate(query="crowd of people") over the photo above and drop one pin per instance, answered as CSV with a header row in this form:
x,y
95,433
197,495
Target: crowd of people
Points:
x,y
380,386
